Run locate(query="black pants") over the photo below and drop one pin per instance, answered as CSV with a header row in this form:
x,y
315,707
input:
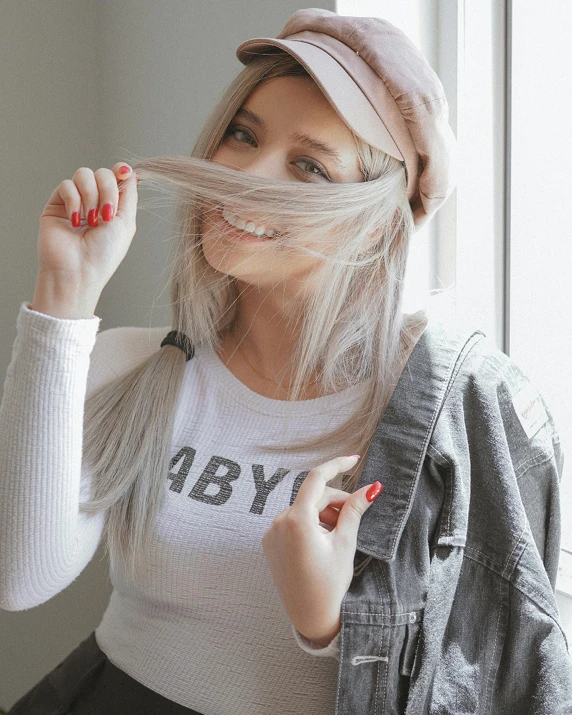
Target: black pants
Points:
x,y
87,683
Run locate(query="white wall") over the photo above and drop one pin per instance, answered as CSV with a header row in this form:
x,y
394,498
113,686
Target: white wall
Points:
x,y
83,83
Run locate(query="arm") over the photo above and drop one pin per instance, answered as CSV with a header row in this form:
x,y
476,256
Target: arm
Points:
x,y
539,485
45,540
330,650
492,605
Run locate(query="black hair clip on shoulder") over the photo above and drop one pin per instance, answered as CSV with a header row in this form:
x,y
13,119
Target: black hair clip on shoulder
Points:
x,y
179,340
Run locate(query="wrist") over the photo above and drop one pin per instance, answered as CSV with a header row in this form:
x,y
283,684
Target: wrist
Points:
x,y
63,297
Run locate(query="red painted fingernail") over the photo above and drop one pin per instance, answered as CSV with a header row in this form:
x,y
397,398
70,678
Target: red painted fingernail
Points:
x,y
374,491
75,219
107,212
124,170
138,180
92,217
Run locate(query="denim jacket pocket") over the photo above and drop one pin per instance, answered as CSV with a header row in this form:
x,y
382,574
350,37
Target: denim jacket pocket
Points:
x,y
409,648
378,651
407,644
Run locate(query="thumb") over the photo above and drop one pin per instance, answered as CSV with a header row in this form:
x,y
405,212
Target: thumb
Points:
x,y
128,196
355,507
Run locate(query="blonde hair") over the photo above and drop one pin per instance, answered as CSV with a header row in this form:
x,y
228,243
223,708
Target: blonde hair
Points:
x,y
353,328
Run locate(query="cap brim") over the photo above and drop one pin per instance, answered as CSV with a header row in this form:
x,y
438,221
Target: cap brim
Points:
x,y
342,92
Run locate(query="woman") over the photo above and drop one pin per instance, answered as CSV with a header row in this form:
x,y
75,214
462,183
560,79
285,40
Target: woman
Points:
x,y
287,309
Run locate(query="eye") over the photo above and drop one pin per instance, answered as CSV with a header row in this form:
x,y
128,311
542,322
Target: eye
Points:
x,y
236,129
320,172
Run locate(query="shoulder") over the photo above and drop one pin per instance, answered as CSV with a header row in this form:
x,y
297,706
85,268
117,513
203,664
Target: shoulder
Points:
x,y
118,350
488,391
473,357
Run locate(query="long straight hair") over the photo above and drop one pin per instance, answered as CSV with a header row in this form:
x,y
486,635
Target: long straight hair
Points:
x,y
353,329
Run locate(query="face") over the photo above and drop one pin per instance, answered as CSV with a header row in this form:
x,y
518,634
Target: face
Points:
x,y
265,138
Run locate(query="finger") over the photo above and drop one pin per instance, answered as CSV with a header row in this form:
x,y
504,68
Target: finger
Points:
x,y
333,497
127,188
351,513
108,193
65,200
122,170
86,184
329,516
312,488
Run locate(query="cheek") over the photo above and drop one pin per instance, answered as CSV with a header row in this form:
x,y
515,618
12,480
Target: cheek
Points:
x,y
205,217
223,156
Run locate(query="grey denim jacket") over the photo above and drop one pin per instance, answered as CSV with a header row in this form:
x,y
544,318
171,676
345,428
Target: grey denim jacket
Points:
x,y
455,612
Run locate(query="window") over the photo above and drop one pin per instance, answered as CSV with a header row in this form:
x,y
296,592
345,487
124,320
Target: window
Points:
x,y
502,242
540,186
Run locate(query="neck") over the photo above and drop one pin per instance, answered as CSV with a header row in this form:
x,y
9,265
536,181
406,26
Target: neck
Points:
x,y
266,330
260,346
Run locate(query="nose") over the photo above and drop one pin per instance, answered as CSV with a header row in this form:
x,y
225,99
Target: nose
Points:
x,y
265,164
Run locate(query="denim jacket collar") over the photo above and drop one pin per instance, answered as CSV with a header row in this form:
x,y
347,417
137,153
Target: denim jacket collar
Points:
x,y
405,429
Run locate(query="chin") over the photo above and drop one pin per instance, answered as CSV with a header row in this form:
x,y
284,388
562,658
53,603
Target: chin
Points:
x,y
228,260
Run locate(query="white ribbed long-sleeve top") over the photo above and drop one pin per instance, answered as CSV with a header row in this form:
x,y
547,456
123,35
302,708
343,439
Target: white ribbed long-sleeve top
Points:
x,y
206,627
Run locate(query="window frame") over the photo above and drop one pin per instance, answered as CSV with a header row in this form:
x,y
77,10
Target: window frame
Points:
x,y
465,249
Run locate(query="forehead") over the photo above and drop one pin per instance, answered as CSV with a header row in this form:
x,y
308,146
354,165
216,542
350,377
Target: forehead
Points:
x,y
296,96
296,108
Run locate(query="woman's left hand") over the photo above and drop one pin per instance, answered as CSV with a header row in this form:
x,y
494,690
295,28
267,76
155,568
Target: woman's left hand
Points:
x,y
313,566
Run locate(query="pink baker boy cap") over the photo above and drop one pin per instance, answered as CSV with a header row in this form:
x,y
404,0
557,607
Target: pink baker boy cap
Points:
x,y
384,90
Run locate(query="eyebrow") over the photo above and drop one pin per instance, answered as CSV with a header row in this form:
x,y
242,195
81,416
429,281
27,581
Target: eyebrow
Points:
x,y
304,139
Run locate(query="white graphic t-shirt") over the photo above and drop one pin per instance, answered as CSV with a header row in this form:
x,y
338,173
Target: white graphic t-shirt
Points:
x,y
205,627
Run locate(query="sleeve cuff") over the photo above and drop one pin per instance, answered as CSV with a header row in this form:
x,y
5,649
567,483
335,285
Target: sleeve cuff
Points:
x,y
332,650
50,332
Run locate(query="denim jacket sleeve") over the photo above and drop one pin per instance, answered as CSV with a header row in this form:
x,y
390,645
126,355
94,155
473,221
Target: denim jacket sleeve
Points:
x,y
492,641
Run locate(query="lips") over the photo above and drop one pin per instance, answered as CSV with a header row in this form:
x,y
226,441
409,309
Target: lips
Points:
x,y
238,235
247,222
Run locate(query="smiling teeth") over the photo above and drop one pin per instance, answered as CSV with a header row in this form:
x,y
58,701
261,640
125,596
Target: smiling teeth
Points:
x,y
249,226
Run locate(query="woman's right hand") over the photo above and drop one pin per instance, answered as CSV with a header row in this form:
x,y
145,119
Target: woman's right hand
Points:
x,y
87,255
